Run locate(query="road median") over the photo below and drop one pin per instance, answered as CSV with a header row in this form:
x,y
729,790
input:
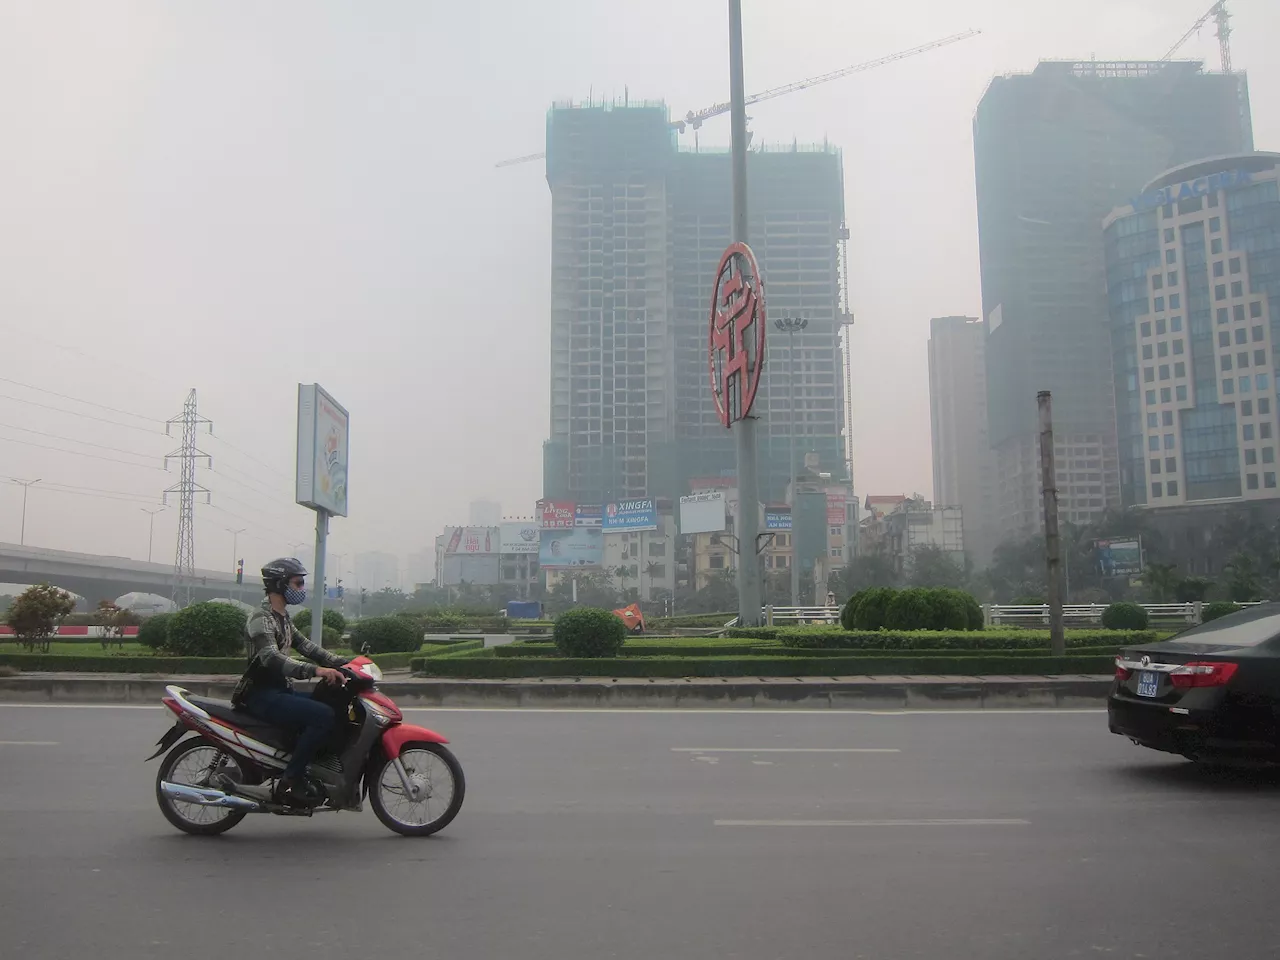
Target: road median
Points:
x,y
814,692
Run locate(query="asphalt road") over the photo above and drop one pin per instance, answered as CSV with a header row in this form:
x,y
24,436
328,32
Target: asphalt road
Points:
x,y
642,835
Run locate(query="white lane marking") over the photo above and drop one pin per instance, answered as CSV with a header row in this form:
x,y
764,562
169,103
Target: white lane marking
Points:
x,y
872,823
785,750
28,743
707,711
763,763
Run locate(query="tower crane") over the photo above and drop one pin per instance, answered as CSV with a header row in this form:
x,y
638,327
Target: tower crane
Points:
x,y
695,119
1217,12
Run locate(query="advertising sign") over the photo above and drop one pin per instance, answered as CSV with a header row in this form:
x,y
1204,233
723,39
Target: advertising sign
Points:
x,y
1120,557
572,548
472,540
1226,180
777,519
630,515
702,512
518,536
736,334
557,515
713,483
322,451
836,508
587,515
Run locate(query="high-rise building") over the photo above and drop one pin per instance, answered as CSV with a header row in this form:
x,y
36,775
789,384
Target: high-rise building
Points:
x,y
638,227
962,465
485,513
1055,150
376,570
1193,269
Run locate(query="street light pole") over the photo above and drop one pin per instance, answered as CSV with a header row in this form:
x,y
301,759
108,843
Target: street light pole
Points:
x,y
151,528
26,485
790,325
235,559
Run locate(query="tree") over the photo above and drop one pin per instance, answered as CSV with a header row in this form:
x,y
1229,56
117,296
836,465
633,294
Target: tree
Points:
x,y
1242,578
209,629
1017,569
113,620
1192,589
35,613
331,619
1161,578
931,566
382,603
862,573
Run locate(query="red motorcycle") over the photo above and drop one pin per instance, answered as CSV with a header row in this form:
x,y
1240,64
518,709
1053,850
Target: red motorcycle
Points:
x,y
209,782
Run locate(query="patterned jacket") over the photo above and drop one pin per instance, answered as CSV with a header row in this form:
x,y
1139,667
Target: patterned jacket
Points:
x,y
268,640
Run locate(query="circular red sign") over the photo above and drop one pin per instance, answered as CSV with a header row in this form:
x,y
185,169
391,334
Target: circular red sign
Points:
x,y
736,334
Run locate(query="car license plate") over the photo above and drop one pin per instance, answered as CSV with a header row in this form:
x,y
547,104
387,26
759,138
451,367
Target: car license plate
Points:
x,y
1148,683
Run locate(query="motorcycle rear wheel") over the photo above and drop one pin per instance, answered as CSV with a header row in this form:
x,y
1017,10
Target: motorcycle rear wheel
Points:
x,y
190,762
432,767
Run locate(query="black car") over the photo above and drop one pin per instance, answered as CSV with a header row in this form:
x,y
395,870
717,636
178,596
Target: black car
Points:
x,y
1211,693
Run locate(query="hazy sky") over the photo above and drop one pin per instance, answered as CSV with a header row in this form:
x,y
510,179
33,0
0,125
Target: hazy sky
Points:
x,y
237,196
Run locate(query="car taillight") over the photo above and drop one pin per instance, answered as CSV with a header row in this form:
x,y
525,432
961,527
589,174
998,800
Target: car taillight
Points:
x,y
1203,675
1122,672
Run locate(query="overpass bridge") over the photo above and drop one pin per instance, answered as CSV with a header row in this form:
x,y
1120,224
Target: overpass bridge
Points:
x,y
98,578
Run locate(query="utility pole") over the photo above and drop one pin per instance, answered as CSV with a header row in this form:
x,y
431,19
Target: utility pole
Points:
x,y
235,554
790,325
184,562
151,528
1052,540
745,428
26,485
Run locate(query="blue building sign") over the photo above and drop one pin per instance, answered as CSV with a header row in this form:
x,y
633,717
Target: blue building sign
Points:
x,y
1199,187
629,516
777,519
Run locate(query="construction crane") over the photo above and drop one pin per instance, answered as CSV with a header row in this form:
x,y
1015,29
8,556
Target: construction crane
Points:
x,y
1219,13
695,119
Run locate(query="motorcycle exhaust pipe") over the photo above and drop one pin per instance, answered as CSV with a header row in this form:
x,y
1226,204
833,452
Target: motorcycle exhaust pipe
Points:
x,y
207,797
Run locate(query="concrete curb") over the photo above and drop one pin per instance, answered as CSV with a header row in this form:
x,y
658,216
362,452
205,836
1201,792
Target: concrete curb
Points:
x,y
848,693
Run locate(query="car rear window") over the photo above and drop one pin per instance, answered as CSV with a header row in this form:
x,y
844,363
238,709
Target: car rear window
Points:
x,y
1248,628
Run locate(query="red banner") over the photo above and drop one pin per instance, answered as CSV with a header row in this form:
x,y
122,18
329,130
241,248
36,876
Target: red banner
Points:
x,y
557,515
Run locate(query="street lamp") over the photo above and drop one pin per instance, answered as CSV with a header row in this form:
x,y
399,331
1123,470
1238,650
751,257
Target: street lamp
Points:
x,y
151,527
26,485
790,326
235,559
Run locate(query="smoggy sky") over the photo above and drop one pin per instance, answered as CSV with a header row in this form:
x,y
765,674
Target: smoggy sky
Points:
x,y
238,196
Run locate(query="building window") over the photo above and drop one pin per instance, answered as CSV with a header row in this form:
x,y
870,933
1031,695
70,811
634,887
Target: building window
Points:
x,y
1246,431
658,549
1257,334
1268,454
1146,351
1242,335
1215,245
1167,417
1262,381
1235,264
1224,338
1175,301
1182,394
1269,480
1152,420
1146,328
1215,224
1246,408
1162,348
1218,270
1264,406
1151,398
1172,488
1160,327
1250,457
1170,464
1168,441
1171,256
1226,360
1157,489
1255,309
1148,374
1242,359
1251,481
1168,234
1220,291
1175,324
1264,430
835,531
1155,466
1164,395
1157,282
837,552
1245,385
1237,288
1177,348
1153,442
1179,369
1158,304
1223,316
1228,387
716,561
1259,358
1173,278
1164,371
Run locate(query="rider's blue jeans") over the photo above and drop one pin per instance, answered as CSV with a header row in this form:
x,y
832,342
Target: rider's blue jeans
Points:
x,y
294,710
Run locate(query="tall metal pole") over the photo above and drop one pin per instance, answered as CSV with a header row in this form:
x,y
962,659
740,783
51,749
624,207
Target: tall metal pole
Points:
x,y
151,528
1052,540
235,557
791,325
317,579
745,428
26,485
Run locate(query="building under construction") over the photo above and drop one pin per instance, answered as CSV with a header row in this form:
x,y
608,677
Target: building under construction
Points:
x,y
638,227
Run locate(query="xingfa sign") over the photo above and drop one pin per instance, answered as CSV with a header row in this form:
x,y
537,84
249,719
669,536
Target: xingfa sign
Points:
x,y
1199,187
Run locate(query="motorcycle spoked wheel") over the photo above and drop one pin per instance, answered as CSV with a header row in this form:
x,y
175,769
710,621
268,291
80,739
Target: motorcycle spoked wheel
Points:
x,y
434,769
193,762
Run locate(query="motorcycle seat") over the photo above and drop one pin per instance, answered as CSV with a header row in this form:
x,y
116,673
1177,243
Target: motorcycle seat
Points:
x,y
260,730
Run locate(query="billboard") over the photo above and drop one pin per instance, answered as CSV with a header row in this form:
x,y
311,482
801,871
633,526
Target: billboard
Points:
x,y
1119,557
572,548
836,508
518,536
321,478
587,515
777,518
482,570
702,512
471,540
627,516
556,515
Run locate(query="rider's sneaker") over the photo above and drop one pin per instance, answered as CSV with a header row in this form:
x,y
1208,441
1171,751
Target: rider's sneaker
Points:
x,y
296,793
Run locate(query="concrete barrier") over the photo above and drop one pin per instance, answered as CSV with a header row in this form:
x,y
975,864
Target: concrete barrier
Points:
x,y
850,693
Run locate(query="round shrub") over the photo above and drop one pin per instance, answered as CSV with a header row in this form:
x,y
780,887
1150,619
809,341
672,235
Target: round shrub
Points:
x,y
1219,608
872,608
915,608
585,632
207,630
332,620
331,638
950,609
154,631
850,609
386,635
973,612
1124,616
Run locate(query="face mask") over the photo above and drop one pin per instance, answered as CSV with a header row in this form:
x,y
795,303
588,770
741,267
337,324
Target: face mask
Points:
x,y
293,596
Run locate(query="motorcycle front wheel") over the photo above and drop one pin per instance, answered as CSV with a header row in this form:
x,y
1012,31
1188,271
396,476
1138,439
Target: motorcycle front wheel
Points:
x,y
194,763
436,778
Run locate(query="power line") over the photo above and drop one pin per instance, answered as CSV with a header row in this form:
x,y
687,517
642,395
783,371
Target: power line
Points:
x,y
78,453
250,456
87,443
87,492
263,492
89,403
77,413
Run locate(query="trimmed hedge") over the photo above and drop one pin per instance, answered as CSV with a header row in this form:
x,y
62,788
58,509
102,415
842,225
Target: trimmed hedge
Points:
x,y
386,635
679,667
154,631
75,663
209,629
640,651
1006,639
1125,616
586,632
1219,608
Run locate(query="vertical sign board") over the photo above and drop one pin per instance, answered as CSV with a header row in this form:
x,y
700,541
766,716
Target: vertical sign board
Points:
x,y
836,514
702,512
321,478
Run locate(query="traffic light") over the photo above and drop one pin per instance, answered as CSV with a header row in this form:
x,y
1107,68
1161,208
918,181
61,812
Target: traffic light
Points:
x,y
239,571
